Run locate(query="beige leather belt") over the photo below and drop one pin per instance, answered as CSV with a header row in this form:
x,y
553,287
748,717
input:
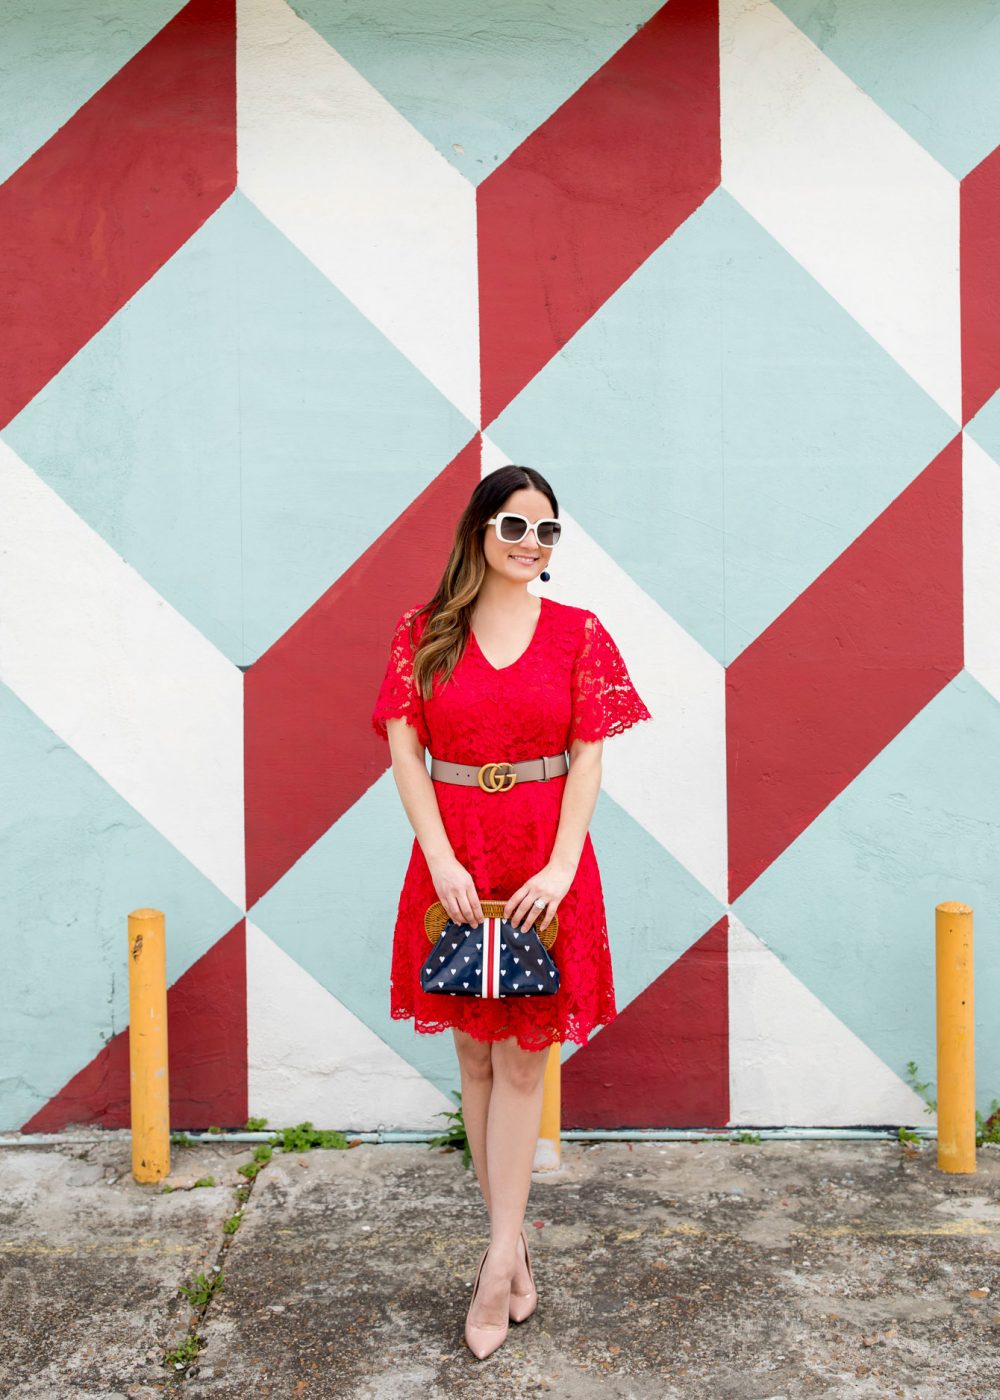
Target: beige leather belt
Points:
x,y
501,777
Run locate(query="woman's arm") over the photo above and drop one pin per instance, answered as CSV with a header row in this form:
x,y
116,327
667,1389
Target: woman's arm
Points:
x,y
453,883
583,783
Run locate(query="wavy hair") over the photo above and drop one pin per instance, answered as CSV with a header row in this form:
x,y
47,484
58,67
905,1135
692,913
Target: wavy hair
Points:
x,y
449,612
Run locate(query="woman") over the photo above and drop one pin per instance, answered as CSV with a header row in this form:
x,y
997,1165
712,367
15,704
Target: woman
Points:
x,y
488,674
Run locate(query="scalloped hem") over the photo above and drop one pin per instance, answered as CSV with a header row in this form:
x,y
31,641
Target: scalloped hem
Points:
x,y
378,723
540,1039
617,726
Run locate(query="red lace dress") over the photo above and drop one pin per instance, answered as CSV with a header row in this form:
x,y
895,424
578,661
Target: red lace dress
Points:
x,y
570,683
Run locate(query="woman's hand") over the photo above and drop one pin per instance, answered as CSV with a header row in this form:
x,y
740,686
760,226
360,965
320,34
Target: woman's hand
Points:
x,y
456,890
551,884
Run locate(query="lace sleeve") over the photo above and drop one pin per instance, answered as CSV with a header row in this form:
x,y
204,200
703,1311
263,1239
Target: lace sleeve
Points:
x,y
398,697
605,702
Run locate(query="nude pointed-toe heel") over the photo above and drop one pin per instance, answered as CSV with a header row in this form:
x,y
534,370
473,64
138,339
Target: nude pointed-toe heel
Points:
x,y
522,1305
481,1339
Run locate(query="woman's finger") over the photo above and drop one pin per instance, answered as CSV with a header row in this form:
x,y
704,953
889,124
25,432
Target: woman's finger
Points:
x,y
527,911
513,902
538,911
465,904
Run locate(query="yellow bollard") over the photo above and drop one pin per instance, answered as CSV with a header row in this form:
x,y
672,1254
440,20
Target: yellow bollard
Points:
x,y
147,1044
956,1051
547,1149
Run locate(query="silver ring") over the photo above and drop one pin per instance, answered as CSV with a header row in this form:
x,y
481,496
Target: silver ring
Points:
x,y
542,902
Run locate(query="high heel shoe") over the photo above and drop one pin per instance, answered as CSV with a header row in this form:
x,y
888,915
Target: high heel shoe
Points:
x,y
526,1302
482,1338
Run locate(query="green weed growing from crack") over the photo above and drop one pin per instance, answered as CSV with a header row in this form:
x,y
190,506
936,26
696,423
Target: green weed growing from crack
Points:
x,y
202,1289
304,1135
261,1156
202,1181
457,1135
181,1357
199,1294
300,1138
987,1129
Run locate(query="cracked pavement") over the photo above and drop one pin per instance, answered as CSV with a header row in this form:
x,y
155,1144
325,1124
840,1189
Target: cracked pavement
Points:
x,y
709,1269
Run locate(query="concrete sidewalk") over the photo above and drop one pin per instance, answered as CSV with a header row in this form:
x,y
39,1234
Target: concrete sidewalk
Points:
x,y
707,1269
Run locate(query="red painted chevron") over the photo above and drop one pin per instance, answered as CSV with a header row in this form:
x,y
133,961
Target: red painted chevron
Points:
x,y
844,668
108,199
310,749
207,1044
664,1060
979,264
590,194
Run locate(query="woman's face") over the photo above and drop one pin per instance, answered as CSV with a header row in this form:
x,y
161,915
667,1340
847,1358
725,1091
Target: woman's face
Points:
x,y
526,560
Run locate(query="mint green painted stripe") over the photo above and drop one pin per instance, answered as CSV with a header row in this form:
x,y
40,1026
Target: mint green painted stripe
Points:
x,y
935,68
476,78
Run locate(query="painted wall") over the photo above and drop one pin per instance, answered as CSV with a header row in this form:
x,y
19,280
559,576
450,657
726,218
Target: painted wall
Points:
x,y
278,284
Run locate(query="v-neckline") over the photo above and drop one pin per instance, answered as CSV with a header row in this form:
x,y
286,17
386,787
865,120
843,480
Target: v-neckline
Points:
x,y
517,659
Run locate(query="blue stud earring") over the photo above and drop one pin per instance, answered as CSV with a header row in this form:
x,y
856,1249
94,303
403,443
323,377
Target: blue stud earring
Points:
x,y
545,575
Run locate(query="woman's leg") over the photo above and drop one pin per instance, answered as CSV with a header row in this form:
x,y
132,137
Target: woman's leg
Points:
x,y
475,1065
513,1119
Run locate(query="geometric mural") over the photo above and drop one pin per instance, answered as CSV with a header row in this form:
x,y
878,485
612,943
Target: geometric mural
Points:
x,y
277,288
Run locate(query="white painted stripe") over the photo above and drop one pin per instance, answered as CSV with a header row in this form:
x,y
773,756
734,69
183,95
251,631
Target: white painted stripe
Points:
x,y
322,1062
361,193
861,205
127,682
792,1060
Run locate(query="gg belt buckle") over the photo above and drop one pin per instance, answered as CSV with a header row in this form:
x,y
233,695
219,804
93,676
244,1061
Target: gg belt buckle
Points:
x,y
492,780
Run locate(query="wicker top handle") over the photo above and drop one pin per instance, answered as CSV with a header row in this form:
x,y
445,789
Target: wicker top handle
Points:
x,y
437,916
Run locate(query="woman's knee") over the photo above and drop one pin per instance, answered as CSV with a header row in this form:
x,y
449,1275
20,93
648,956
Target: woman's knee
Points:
x,y
474,1055
521,1069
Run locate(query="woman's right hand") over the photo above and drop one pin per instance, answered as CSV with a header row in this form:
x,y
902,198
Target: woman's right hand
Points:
x,y
456,890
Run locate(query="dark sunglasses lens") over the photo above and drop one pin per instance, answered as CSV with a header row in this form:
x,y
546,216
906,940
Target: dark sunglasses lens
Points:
x,y
548,532
513,528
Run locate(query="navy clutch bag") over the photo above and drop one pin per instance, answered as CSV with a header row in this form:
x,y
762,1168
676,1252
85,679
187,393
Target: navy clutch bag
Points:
x,y
491,959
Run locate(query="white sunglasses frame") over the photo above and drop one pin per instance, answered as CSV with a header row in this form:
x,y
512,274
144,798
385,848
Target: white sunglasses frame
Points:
x,y
532,525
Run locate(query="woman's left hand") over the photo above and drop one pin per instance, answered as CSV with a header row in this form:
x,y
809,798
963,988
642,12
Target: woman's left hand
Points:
x,y
550,884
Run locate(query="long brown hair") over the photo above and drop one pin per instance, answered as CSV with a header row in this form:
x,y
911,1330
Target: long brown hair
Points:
x,y
449,612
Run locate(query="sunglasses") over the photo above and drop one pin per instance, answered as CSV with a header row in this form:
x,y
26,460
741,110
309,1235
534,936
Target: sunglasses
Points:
x,y
512,528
